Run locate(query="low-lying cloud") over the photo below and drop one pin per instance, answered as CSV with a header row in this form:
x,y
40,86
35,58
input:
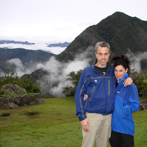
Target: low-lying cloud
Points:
x,y
36,46
136,60
53,83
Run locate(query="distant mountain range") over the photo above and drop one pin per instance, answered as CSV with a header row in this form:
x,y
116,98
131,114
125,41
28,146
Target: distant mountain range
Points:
x,y
26,56
15,42
64,44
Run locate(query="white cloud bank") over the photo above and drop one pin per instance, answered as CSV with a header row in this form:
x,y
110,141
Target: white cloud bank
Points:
x,y
36,46
56,80
136,59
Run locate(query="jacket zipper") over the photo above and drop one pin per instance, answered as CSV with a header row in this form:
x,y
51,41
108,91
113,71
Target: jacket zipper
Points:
x,y
105,90
108,87
91,95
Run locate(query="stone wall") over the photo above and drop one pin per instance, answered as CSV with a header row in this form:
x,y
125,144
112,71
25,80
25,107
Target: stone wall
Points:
x,y
11,103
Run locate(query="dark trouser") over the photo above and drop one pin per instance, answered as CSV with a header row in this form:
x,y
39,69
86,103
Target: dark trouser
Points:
x,y
121,140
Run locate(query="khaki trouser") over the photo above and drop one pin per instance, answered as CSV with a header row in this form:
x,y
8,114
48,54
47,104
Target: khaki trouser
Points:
x,y
99,131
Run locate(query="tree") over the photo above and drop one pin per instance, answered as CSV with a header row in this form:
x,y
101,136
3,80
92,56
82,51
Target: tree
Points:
x,y
23,82
140,82
74,78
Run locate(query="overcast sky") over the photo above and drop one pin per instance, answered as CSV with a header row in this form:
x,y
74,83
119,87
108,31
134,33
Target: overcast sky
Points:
x,y
52,21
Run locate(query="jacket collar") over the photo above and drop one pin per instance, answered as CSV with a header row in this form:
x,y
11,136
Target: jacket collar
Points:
x,y
122,80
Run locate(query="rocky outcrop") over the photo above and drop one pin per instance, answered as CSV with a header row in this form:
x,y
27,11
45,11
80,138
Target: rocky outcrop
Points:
x,y
17,101
12,103
143,105
12,89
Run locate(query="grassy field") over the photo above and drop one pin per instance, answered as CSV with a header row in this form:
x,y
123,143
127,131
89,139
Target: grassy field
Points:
x,y
54,124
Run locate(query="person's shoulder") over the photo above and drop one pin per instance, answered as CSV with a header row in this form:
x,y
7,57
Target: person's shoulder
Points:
x,y
89,68
133,86
87,71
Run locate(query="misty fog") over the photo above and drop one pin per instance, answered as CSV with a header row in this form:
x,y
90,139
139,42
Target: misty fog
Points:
x,y
135,60
53,83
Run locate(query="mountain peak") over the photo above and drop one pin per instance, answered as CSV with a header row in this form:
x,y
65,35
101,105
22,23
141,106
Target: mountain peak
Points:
x,y
122,31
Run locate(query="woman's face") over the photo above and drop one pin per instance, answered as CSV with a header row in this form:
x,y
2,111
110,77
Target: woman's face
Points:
x,y
119,72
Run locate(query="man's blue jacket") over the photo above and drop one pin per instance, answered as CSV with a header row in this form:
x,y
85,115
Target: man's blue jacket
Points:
x,y
126,101
100,88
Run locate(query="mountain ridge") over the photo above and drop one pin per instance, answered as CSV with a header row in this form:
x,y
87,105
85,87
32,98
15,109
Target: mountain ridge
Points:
x,y
26,56
15,42
64,44
121,31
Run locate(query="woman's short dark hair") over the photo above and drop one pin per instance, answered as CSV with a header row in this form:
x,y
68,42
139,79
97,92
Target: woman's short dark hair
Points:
x,y
121,60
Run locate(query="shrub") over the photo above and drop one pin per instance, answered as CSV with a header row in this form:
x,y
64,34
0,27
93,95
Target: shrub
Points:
x,y
140,82
24,82
1,92
74,78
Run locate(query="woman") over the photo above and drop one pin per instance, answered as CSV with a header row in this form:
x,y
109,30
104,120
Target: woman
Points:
x,y
126,102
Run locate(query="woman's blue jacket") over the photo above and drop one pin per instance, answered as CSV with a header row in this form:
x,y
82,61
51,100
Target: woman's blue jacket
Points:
x,y
126,101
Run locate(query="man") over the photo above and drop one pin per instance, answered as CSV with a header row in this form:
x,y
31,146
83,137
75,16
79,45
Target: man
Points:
x,y
98,83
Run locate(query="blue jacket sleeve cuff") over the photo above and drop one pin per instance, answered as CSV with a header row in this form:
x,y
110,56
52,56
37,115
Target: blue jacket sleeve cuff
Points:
x,y
82,117
132,78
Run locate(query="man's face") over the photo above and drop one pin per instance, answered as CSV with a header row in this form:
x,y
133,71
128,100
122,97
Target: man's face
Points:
x,y
102,56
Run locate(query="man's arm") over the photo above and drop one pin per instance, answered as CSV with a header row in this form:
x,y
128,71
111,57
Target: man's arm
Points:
x,y
128,81
79,94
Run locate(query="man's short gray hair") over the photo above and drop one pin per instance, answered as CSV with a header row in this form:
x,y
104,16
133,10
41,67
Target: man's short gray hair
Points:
x,y
102,44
